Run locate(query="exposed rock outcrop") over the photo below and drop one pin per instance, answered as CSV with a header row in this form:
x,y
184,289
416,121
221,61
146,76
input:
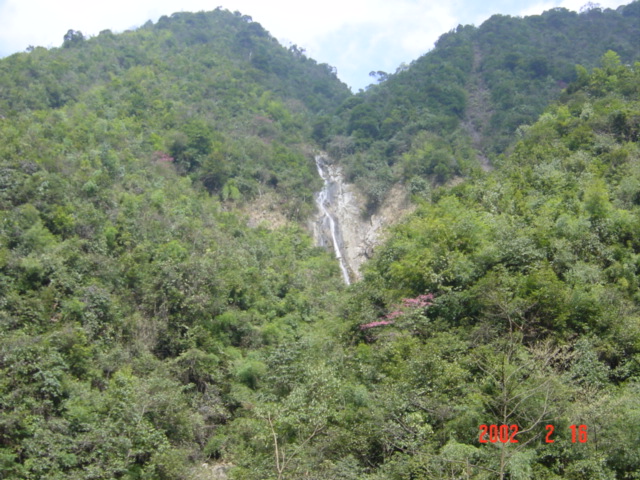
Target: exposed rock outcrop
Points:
x,y
328,231
357,233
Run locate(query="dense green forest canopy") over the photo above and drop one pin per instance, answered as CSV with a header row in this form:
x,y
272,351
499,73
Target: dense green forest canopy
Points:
x,y
146,332
194,89
458,106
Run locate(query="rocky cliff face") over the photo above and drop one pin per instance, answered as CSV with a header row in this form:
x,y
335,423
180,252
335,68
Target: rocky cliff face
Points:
x,y
355,233
328,229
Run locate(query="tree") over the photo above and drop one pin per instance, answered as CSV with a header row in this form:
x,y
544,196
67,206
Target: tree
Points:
x,y
73,38
521,388
380,76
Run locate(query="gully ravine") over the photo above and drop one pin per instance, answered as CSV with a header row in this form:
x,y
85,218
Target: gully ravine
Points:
x,y
341,223
328,225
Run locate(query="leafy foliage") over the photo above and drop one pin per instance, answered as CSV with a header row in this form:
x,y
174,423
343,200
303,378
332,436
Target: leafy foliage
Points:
x,y
147,332
459,105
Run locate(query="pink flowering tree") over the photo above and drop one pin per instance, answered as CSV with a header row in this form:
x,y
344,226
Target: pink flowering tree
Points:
x,y
162,158
410,313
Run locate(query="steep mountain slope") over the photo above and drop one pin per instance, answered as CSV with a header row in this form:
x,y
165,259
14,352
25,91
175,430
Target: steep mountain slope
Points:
x,y
132,299
462,102
215,46
196,88
146,332
512,299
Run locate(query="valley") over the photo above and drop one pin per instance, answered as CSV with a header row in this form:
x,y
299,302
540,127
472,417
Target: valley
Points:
x,y
217,262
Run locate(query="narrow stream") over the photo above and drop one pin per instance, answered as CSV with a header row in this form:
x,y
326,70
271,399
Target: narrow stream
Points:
x,y
327,219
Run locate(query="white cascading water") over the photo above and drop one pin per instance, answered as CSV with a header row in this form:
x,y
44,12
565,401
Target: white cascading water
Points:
x,y
323,199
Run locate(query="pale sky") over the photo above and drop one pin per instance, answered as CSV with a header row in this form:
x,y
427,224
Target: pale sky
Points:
x,y
355,36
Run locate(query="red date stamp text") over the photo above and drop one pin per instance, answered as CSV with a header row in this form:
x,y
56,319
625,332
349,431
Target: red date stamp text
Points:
x,y
507,433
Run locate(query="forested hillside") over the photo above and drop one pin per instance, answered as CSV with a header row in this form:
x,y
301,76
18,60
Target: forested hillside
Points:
x,y
456,108
212,93
146,332
534,319
133,299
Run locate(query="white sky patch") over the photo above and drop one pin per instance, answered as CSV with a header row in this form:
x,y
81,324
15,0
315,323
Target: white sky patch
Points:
x,y
355,36
575,5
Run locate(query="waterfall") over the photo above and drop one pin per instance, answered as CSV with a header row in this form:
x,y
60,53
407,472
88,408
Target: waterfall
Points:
x,y
324,199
